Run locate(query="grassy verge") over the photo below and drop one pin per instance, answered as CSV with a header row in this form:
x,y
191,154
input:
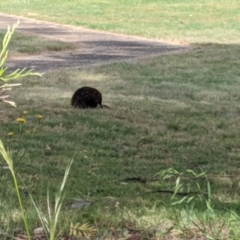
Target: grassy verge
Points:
x,y
180,21
26,44
178,111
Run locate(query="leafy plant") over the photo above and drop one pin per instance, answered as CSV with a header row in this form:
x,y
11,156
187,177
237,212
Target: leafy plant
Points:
x,y
49,221
187,185
18,73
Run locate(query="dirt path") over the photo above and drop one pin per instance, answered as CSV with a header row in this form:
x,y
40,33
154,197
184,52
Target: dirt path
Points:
x,y
94,47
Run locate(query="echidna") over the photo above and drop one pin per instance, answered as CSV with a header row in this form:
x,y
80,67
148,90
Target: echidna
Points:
x,y
86,97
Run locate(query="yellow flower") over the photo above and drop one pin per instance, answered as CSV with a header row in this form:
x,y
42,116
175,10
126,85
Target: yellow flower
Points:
x,y
40,117
10,134
21,120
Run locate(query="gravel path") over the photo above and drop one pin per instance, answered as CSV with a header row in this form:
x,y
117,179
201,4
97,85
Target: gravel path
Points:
x,y
94,47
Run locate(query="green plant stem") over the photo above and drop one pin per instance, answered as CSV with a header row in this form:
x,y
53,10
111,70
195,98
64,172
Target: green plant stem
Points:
x,y
20,204
7,158
35,128
20,128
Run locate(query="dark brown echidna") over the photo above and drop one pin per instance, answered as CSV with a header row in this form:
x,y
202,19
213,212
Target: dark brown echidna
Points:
x,y
86,97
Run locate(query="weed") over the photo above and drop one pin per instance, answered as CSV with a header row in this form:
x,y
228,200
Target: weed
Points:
x,y
50,221
18,73
188,185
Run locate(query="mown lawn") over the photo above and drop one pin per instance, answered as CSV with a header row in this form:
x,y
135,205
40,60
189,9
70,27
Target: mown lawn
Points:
x,y
176,111
25,44
178,21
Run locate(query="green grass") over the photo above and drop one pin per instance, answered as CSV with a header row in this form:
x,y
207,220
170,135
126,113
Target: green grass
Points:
x,y
178,21
26,44
178,111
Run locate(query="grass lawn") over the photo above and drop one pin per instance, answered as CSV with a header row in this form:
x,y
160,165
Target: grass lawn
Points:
x,y
175,111
25,44
177,21
178,111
